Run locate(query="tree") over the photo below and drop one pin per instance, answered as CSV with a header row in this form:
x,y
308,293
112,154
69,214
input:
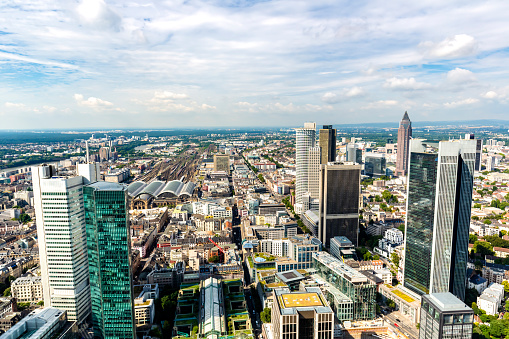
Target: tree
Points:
x,y
265,315
214,259
41,303
367,256
395,258
483,247
390,303
7,292
376,257
506,286
24,218
401,228
506,304
487,222
472,238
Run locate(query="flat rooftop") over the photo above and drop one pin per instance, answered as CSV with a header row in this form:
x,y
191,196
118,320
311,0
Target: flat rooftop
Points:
x,y
447,302
301,300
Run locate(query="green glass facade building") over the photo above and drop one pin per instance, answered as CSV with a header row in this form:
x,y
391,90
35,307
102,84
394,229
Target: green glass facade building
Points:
x,y
440,188
422,179
351,295
109,255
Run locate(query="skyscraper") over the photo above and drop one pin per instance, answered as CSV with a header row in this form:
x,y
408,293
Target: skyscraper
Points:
x,y
109,256
62,241
438,216
305,138
404,134
327,143
339,202
353,153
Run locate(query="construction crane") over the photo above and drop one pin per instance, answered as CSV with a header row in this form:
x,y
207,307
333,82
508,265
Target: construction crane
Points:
x,y
220,248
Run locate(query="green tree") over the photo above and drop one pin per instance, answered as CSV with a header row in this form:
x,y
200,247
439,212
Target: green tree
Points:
x,y
24,218
487,222
376,257
367,256
7,292
41,303
265,315
472,238
395,259
483,248
506,286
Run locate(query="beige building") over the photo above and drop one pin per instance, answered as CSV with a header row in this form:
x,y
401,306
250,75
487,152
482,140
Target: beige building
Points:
x,y
27,289
301,315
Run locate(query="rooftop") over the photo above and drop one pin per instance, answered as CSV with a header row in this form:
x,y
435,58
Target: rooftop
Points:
x,y
447,302
301,300
107,186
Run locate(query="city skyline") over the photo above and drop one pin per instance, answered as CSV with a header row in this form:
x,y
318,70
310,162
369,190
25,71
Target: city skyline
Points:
x,y
95,63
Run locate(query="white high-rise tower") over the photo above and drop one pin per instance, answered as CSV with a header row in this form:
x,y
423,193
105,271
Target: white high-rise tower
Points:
x,y
61,232
305,138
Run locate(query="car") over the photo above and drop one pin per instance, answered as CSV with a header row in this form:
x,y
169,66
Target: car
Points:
x,y
398,320
396,325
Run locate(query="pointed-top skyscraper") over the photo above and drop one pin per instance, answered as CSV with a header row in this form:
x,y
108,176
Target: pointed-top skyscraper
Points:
x,y
404,134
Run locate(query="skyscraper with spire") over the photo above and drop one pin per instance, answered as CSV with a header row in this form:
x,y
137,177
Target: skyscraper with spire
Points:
x,y
404,134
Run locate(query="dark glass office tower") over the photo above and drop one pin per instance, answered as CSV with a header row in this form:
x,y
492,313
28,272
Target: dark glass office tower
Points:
x,y
339,202
438,217
109,256
327,143
420,217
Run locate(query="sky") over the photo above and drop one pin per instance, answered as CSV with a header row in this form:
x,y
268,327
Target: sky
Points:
x,y
169,64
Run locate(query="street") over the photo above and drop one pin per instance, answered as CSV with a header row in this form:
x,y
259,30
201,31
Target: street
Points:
x,y
404,325
255,316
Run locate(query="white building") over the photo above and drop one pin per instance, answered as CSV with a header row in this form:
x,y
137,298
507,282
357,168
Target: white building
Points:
x,y
61,233
491,299
394,235
27,289
305,138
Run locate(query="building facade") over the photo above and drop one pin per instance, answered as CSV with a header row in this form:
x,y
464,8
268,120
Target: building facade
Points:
x,y
327,143
443,316
404,134
62,241
438,216
27,289
109,256
222,163
301,315
339,202
305,138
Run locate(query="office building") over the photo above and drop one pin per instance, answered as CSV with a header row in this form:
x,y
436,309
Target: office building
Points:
x,y
314,177
44,323
374,164
353,153
351,294
445,316
62,241
305,138
301,315
91,172
478,150
27,289
327,143
222,163
104,154
339,202
342,248
438,216
404,134
109,256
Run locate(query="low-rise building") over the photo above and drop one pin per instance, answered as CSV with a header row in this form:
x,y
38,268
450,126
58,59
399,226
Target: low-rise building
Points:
x,y
27,289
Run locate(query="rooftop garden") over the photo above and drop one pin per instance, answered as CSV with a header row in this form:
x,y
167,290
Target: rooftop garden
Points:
x,y
266,256
403,296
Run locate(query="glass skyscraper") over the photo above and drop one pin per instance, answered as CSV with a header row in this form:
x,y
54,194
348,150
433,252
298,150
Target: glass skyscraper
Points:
x,y
438,216
109,256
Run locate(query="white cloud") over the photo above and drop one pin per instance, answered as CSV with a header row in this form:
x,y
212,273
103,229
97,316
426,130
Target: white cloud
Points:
x,y
405,84
330,98
460,45
490,95
460,76
166,95
468,101
97,14
381,104
14,105
92,102
355,92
